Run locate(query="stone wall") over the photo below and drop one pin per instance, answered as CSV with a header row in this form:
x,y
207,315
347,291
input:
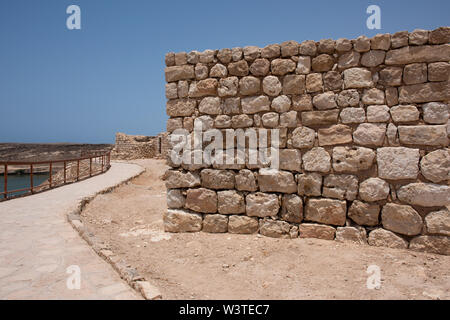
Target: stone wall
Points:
x,y
364,140
128,147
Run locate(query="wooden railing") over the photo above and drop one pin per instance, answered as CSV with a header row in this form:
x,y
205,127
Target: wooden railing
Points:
x,y
98,164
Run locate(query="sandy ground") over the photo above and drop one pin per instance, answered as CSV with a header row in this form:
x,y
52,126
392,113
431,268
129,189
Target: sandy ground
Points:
x,y
226,266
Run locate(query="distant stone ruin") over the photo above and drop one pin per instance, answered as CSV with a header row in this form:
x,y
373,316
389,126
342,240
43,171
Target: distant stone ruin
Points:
x,y
364,135
129,147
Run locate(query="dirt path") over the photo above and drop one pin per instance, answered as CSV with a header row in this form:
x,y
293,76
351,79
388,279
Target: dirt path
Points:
x,y
225,266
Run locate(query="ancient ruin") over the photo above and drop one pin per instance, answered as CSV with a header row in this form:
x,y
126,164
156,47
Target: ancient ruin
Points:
x,y
364,128
129,147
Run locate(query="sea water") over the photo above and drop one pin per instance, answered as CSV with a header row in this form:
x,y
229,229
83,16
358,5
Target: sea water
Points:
x,y
21,181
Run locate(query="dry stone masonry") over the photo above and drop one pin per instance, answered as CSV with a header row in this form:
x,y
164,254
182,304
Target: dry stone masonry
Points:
x,y
364,129
128,147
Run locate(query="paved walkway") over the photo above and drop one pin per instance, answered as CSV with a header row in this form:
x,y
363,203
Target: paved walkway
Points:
x,y
37,245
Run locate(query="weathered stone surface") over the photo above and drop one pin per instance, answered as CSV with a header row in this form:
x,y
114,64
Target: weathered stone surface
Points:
x,y
222,121
364,214
438,71
260,67
206,56
183,89
228,87
239,68
280,67
249,85
378,113
340,186
272,180
288,119
399,39
326,46
175,199
274,228
381,42
314,82
370,134
302,102
289,48
435,166
392,135
201,200
290,159
182,221
175,73
201,71
351,234
332,80
293,84
251,53
173,124
349,60
309,184
218,71
230,202
241,121
271,51
418,54
362,44
281,103
326,211
425,92
373,189
357,78
308,48
353,115
180,107
418,37
438,222
439,35
435,113
292,208
215,223
256,104
242,225
272,86
373,58
415,73
207,87
343,45
401,219
434,244
352,159
317,159
224,55
337,134
322,63
170,59
303,65
391,96
177,179
424,135
318,231
391,76
325,101
246,181
425,194
384,238
348,98
396,163
217,179
313,118
171,90
210,105
262,204
373,96
270,119
236,54
303,137
206,122
404,113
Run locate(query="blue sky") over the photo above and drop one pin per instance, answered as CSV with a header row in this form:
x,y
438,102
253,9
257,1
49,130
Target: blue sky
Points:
x,y
60,85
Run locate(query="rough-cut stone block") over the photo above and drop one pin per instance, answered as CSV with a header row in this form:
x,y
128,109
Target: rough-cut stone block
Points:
x,y
246,181
423,135
332,80
418,37
435,166
215,223
391,76
378,113
271,86
385,238
349,60
373,189
230,202
381,42
180,107
251,53
425,194
270,119
176,73
357,78
373,58
289,119
337,134
274,228
433,244
292,208
340,186
439,35
170,59
418,54
322,63
343,45
280,67
370,134
228,87
438,222
242,225
239,69
326,211
318,231
272,180
373,96
309,184
352,159
348,98
260,67
177,179
313,118
182,221
241,121
396,163
308,48
365,214
325,101
218,71
317,159
401,219
425,92
303,65
262,204
435,113
303,137
271,51
351,234
257,104
217,179
201,200
353,115
415,73
249,85
302,102
404,113
175,199
314,82
438,71
290,159
362,44
293,84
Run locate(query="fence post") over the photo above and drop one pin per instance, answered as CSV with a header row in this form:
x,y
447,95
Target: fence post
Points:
x,y
31,178
90,167
64,172
6,182
78,169
51,169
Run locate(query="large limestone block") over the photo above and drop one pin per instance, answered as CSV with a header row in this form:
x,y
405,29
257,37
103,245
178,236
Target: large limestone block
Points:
x,y
180,107
326,211
274,228
352,159
317,159
309,184
357,78
373,189
176,73
177,179
407,55
385,238
262,204
351,234
433,244
424,135
202,88
175,199
255,104
364,214
402,219
314,118
340,186
292,208
242,224
370,134
273,180
435,113
337,134
404,113
395,163
435,166
424,92
201,200
182,221
425,194
438,222
215,223
246,181
318,231
303,137
290,159
230,202
217,179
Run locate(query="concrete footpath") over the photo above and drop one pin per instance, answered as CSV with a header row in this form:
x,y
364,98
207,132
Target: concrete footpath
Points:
x,y
41,254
